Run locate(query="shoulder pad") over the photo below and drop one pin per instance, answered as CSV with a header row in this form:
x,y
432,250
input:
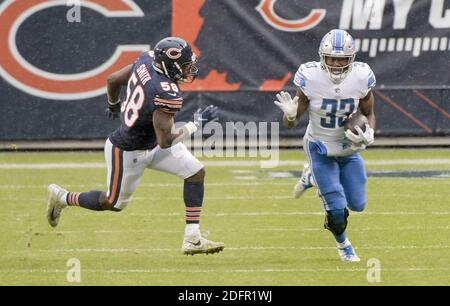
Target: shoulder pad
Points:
x,y
304,73
365,74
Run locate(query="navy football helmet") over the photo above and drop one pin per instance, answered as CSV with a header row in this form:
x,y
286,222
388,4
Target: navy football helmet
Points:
x,y
175,59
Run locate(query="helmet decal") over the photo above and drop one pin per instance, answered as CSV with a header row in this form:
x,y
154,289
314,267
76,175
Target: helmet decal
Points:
x,y
173,53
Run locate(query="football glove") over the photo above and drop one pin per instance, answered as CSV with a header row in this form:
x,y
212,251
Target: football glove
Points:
x,y
287,105
209,114
366,137
113,110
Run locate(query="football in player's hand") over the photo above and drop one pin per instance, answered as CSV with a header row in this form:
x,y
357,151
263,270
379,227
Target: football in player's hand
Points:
x,y
356,119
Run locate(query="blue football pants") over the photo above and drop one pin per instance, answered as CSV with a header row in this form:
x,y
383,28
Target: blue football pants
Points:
x,y
341,181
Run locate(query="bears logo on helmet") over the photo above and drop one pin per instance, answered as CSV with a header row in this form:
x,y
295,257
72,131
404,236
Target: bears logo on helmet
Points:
x,y
174,58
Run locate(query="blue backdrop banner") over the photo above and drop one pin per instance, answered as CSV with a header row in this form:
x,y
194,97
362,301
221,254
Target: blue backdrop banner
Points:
x,y
55,56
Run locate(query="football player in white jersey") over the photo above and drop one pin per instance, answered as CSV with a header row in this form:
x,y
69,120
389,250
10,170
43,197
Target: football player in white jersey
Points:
x,y
331,90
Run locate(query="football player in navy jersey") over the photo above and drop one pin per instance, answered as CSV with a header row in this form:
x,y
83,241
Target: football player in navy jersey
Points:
x,y
147,138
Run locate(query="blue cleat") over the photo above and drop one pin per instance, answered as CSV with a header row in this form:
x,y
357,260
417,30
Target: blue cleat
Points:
x,y
347,253
305,182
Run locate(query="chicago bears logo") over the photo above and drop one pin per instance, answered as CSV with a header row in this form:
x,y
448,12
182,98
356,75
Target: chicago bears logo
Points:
x,y
267,11
20,73
173,53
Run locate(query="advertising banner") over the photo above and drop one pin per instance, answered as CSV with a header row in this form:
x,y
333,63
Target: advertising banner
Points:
x,y
55,57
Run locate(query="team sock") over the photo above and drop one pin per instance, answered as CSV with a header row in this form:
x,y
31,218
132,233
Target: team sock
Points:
x,y
344,244
87,200
193,199
341,238
191,229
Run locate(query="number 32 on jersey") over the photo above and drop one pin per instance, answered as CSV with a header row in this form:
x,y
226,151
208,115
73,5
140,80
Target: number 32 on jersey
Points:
x,y
336,112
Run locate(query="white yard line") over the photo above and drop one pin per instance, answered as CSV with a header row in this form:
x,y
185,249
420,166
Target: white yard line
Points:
x,y
292,213
243,248
300,229
54,166
270,270
434,197
164,185
229,163
222,184
163,270
84,213
381,162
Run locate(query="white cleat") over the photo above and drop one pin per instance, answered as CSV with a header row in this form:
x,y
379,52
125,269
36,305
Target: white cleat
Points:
x,y
54,205
348,254
196,244
304,183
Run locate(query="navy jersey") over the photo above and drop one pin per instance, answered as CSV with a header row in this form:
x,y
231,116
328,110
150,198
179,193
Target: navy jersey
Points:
x,y
147,91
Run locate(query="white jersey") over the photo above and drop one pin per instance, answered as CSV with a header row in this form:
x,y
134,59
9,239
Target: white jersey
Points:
x,y
330,103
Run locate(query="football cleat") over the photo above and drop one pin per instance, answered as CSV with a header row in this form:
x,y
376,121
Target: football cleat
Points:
x,y
305,182
196,244
348,254
54,205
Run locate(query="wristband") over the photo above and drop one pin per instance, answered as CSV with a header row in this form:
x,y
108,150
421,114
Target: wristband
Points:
x,y
114,103
289,119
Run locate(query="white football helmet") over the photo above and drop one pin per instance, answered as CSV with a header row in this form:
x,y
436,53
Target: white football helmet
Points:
x,y
340,44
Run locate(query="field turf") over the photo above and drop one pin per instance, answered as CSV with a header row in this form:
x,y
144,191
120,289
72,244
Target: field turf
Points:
x,y
271,239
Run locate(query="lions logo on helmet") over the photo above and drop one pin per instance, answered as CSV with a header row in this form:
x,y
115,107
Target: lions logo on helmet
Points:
x,y
337,46
174,58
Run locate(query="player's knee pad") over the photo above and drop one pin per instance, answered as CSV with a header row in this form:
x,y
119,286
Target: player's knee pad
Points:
x,y
336,221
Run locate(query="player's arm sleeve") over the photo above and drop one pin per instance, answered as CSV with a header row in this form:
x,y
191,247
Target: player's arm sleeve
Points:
x,y
169,102
300,79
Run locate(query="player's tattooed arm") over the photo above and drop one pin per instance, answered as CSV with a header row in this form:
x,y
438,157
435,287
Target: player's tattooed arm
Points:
x,y
116,81
366,106
303,104
166,133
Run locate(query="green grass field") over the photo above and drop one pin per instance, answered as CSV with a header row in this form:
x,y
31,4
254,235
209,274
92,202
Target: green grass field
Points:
x,y
270,238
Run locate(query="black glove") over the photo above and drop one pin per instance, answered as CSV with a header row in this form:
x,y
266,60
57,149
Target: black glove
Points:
x,y
209,114
113,110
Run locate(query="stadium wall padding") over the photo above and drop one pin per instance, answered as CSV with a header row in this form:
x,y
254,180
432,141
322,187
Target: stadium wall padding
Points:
x,y
54,71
